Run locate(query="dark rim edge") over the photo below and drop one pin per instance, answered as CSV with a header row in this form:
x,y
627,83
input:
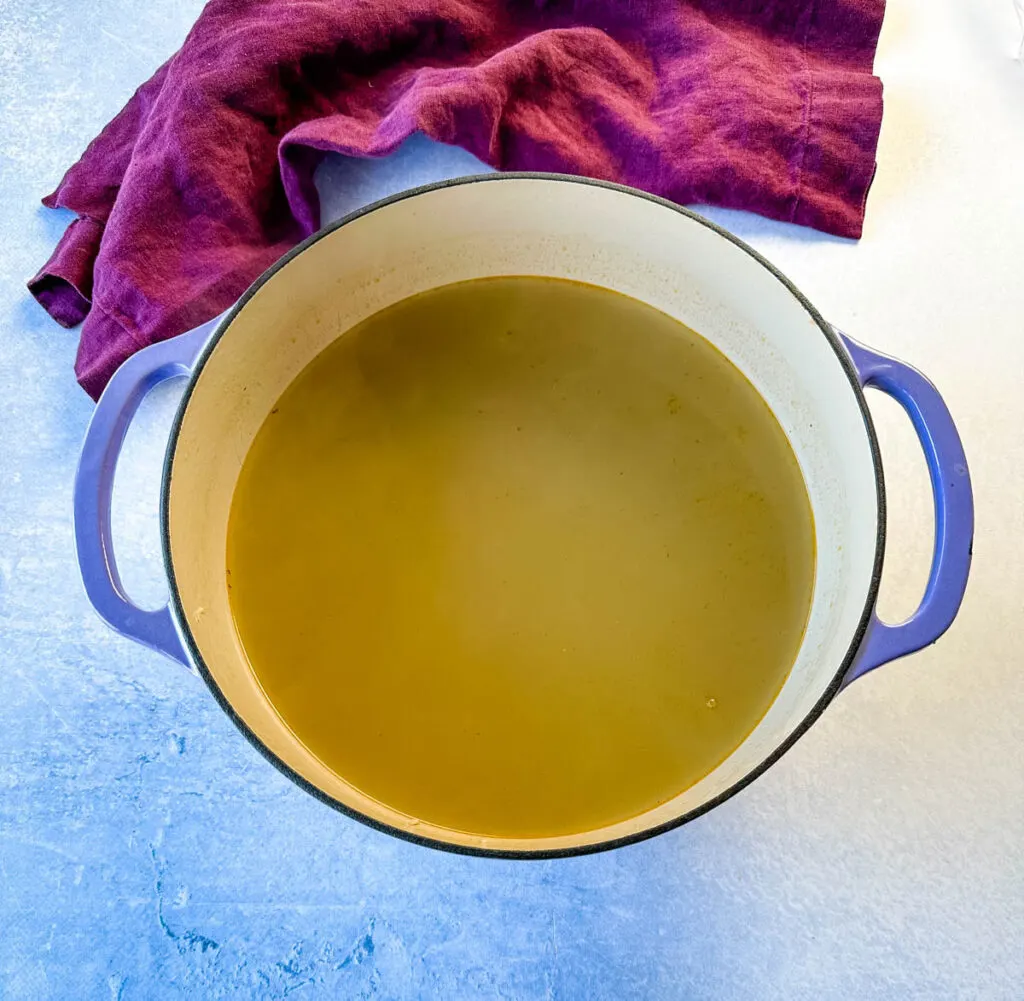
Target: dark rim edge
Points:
x,y
601,846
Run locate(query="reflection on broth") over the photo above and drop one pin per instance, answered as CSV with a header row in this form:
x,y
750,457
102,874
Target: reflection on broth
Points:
x,y
521,557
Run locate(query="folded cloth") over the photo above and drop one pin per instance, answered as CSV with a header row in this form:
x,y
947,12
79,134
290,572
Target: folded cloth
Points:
x,y
205,178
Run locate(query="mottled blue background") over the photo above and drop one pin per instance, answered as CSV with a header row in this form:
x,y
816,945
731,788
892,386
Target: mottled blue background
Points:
x,y
148,852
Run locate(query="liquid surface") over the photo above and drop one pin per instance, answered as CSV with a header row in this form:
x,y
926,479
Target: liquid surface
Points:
x,y
521,557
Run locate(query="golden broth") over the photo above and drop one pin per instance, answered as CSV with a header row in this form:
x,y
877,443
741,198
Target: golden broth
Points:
x,y
521,557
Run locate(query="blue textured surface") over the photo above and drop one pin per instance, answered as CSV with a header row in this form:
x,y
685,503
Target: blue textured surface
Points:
x,y
148,852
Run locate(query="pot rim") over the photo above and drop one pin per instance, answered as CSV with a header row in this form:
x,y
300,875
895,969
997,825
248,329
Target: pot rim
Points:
x,y
802,727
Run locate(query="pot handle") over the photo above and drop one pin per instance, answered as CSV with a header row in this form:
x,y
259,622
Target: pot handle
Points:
x,y
954,510
94,483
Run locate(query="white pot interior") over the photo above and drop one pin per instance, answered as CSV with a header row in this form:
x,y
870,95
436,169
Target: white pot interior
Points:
x,y
527,226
